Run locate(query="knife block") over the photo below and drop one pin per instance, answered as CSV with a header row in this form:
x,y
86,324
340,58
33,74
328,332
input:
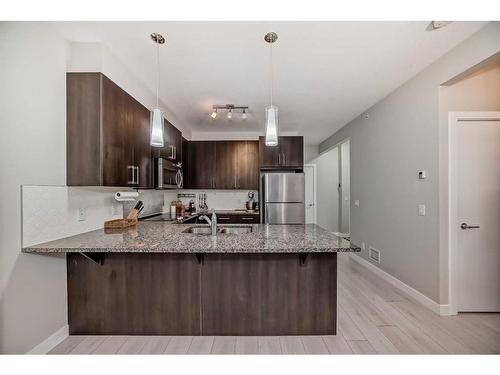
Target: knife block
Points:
x,y
130,221
119,223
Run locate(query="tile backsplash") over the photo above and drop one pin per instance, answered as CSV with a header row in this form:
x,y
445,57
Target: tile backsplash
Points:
x,y
218,199
52,212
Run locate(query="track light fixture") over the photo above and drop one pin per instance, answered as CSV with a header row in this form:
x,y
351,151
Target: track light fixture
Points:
x,y
230,108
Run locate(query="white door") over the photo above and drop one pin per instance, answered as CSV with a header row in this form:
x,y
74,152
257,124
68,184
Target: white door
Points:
x,y
478,168
310,192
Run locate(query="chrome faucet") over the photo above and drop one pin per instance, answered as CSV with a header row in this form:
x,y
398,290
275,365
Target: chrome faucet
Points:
x,y
212,223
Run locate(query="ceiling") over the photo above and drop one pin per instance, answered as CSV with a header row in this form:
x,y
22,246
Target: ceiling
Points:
x,y
325,73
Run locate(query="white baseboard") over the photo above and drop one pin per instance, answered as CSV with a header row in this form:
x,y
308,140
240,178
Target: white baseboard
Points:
x,y
50,342
415,294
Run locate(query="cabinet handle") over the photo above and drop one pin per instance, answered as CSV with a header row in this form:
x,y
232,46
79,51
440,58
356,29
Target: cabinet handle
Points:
x,y
130,167
137,182
223,218
284,159
247,218
279,158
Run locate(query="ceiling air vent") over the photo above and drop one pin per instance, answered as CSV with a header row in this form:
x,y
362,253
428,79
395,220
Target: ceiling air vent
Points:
x,y
374,254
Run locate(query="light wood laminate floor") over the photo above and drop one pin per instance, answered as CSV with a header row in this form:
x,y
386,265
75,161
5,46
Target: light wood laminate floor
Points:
x,y
373,317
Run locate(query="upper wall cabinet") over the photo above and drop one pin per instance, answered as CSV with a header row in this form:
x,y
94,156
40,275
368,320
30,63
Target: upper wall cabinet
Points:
x,y
172,138
288,154
222,165
200,165
107,134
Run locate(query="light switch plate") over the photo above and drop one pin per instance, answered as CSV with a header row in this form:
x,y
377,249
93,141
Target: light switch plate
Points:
x,y
422,175
356,203
82,214
421,210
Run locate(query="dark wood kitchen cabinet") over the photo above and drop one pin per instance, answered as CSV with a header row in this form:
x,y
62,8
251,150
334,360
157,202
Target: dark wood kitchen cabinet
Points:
x,y
248,165
200,165
107,134
226,164
222,165
288,154
209,294
172,138
134,294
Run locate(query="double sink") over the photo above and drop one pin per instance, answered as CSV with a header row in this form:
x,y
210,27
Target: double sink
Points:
x,y
206,230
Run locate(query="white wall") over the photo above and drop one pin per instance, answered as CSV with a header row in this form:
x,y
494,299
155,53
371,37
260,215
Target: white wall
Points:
x,y
32,151
327,193
400,137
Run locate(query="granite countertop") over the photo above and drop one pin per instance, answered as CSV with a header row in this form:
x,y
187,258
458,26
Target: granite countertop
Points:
x,y
167,237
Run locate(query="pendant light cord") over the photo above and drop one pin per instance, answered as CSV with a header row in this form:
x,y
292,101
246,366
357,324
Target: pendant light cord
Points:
x,y
272,75
158,66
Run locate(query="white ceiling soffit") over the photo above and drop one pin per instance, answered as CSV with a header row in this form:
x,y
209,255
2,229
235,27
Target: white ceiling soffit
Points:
x,y
326,73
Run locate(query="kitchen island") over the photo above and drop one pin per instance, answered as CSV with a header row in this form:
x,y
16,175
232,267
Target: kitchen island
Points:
x,y
156,279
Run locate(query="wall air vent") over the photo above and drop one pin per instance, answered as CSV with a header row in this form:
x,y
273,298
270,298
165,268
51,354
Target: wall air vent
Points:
x,y
374,254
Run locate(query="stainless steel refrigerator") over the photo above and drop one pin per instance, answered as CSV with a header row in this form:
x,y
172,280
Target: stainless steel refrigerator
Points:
x,y
282,198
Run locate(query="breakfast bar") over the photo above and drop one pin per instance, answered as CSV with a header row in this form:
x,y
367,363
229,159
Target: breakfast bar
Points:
x,y
160,278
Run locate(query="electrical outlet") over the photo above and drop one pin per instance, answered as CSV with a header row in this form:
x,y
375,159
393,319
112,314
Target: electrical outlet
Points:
x,y
421,210
82,214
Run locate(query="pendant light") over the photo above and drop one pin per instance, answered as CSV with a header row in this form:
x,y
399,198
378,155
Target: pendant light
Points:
x,y
271,110
156,117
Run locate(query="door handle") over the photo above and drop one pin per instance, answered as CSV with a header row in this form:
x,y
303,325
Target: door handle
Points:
x,y
131,167
466,226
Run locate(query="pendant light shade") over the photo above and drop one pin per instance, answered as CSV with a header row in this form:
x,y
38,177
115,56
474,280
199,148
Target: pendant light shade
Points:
x,y
271,125
156,124
271,110
156,116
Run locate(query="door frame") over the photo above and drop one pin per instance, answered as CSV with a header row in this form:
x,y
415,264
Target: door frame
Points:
x,y
454,118
339,155
314,190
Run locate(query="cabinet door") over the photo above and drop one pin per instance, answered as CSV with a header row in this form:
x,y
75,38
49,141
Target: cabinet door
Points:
x,y
176,141
291,151
83,129
170,138
247,165
184,159
201,165
139,138
268,155
226,160
117,158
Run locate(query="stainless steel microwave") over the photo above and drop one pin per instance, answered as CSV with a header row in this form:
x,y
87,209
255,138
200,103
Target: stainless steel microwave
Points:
x,y
167,175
